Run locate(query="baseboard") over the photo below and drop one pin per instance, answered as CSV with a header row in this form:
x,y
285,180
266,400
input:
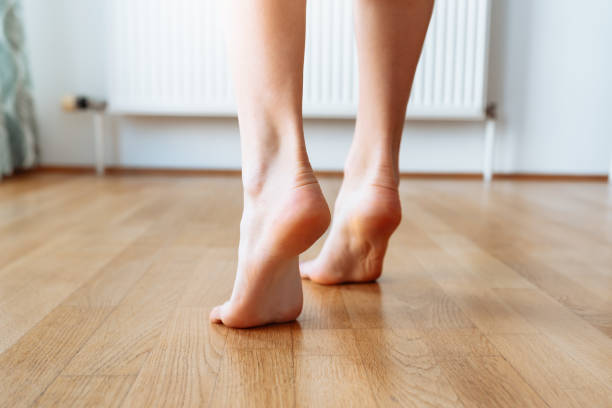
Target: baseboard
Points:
x,y
152,171
136,171
599,178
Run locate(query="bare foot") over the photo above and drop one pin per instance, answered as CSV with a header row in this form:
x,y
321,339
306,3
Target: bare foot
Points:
x,y
283,216
366,214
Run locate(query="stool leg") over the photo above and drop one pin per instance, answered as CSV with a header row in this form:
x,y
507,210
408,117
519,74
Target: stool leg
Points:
x,y
489,144
610,172
99,142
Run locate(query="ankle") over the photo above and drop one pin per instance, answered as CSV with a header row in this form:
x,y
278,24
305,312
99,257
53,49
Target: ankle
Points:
x,y
274,155
372,168
278,172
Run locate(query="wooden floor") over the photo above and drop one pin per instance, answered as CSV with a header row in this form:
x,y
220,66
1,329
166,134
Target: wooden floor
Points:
x,y
489,298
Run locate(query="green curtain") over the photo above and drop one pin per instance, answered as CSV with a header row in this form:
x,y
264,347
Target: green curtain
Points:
x,y
18,134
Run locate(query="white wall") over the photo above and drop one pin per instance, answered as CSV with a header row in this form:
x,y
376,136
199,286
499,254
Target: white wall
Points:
x,y
549,73
550,69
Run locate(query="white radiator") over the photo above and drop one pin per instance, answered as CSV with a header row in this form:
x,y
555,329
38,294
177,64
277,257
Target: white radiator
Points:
x,y
169,58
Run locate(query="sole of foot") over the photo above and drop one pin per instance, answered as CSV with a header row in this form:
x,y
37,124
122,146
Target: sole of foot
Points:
x,y
364,220
274,230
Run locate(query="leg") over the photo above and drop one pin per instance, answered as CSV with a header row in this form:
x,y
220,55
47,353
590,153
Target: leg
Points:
x,y
284,209
390,35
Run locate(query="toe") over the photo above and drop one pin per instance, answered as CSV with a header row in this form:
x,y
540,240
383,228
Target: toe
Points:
x,y
215,314
305,269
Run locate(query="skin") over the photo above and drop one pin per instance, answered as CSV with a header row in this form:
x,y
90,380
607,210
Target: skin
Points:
x,y
390,35
284,209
